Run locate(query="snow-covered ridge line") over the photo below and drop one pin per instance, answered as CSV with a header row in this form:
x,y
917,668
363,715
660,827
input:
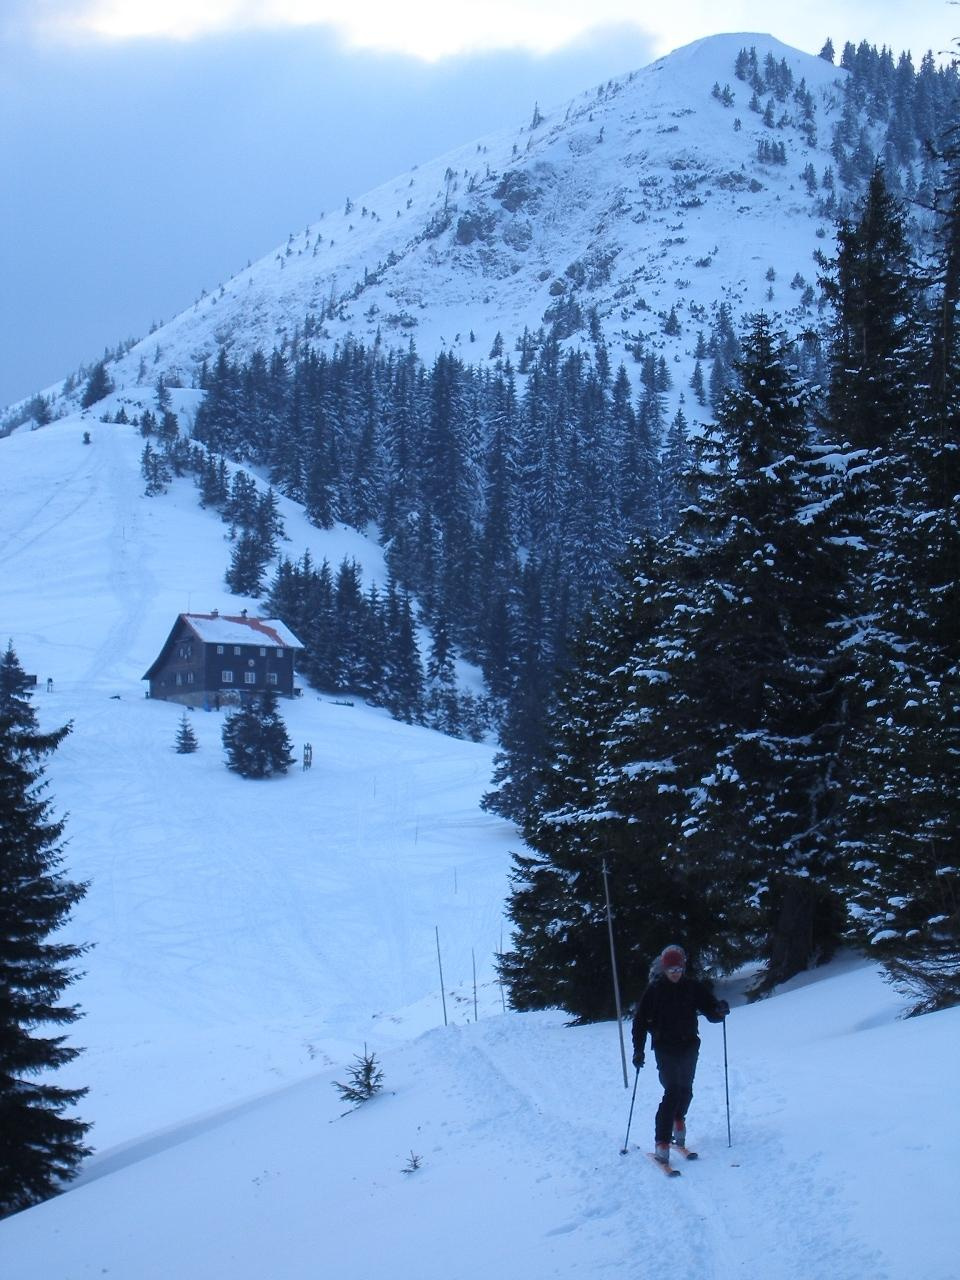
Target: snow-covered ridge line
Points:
x,y
641,195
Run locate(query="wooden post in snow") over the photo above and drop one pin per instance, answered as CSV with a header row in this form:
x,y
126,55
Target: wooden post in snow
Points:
x,y
440,966
616,980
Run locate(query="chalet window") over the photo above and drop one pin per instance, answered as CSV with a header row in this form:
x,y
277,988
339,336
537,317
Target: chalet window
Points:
x,y
272,678
226,677
236,651
263,653
189,677
186,650
219,650
279,653
249,677
179,678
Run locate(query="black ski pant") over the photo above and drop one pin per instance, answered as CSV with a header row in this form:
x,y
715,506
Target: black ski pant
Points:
x,y
677,1065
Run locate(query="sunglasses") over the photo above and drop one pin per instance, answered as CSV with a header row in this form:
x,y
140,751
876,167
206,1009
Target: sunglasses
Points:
x,y
675,968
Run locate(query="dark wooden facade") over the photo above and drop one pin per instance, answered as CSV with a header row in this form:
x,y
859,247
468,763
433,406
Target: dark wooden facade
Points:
x,y
211,658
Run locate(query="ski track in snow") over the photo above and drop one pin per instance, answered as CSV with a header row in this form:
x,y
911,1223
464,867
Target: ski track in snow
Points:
x,y
128,576
704,1232
726,1216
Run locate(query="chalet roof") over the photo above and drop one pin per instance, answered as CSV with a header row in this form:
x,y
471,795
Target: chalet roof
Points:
x,y
220,628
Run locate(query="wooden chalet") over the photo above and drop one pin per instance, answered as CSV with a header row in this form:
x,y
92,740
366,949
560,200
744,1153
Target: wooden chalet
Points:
x,y
210,658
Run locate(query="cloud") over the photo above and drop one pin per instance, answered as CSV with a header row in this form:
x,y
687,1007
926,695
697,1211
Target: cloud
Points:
x,y
432,30
425,29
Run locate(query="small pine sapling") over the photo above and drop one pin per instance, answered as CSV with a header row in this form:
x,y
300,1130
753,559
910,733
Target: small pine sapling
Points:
x,y
413,1164
186,738
365,1079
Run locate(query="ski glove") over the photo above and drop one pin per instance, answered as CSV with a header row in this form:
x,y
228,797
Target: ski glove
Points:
x,y
638,1060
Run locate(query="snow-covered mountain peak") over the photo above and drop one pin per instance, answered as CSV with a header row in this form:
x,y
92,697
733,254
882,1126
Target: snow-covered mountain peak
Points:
x,y
661,189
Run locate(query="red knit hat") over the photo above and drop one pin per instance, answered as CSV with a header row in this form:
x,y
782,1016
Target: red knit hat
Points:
x,y
673,958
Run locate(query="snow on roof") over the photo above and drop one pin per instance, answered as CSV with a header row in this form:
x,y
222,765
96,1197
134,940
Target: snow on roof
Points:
x,y
219,628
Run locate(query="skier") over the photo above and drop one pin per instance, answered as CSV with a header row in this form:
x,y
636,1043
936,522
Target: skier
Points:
x,y
668,1010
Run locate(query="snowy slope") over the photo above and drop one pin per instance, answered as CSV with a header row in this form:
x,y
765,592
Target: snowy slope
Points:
x,y
252,937
633,198
225,887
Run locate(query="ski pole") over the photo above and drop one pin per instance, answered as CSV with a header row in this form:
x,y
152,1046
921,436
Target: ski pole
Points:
x,y
726,1081
630,1117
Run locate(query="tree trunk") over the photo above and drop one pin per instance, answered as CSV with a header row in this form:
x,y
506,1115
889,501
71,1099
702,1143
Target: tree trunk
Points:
x,y
804,934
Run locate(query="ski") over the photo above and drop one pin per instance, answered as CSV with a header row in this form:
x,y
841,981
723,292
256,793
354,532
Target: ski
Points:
x,y
665,1169
685,1152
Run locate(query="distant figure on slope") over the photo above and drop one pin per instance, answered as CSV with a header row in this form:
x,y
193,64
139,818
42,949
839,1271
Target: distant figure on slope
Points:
x,y
668,1010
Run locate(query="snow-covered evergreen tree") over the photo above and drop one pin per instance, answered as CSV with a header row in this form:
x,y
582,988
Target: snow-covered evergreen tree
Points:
x,y
904,812
41,1138
186,740
762,640
155,471
98,386
364,1079
248,562
255,739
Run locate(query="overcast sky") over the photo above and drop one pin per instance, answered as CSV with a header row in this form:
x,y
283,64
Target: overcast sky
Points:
x,y
150,148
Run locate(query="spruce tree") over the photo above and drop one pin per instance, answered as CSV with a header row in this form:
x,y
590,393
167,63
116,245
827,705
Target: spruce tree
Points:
x,y
318,612
673,470
41,1140
255,739
904,813
760,652
98,386
248,562
350,625
370,679
572,825
442,702
155,471
186,742
217,415
404,669
896,725
531,679
873,286
365,1079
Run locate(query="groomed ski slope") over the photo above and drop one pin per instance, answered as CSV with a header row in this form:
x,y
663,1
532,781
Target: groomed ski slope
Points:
x,y
252,937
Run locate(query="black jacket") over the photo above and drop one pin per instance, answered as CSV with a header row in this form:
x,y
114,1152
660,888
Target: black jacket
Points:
x,y
668,1010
